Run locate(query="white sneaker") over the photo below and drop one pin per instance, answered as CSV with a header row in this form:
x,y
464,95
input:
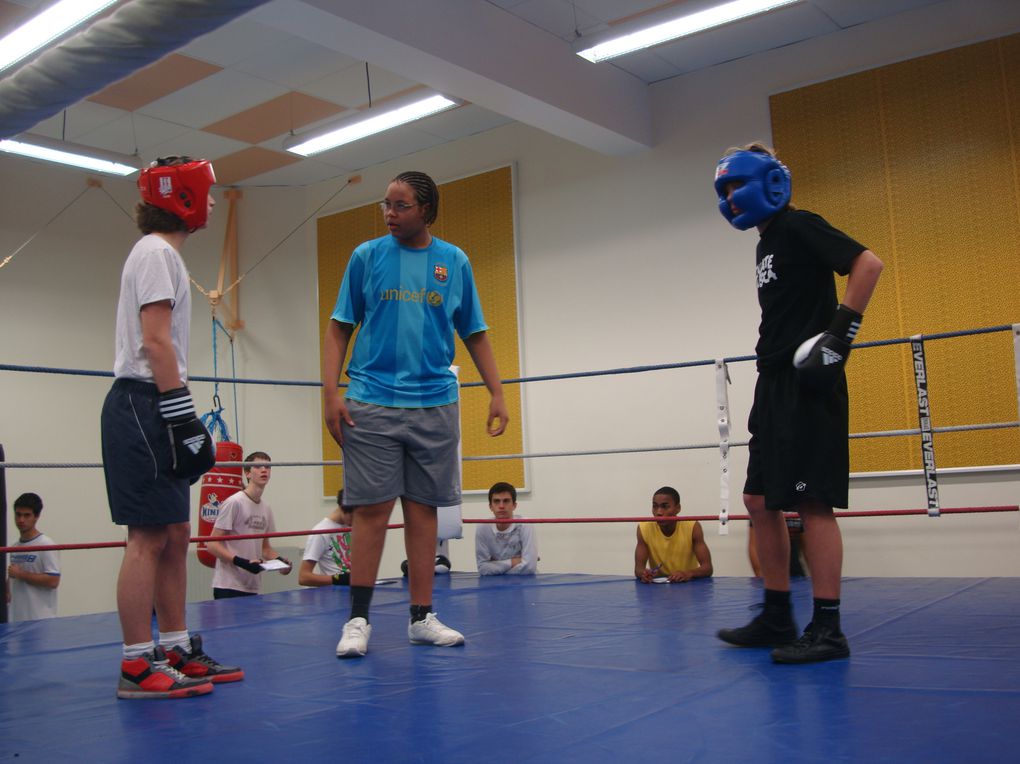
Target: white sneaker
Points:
x,y
354,639
432,631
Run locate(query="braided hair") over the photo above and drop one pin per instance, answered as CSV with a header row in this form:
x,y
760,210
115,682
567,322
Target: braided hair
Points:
x,y
425,192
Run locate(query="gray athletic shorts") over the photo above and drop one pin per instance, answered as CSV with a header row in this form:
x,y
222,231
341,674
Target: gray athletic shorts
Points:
x,y
393,452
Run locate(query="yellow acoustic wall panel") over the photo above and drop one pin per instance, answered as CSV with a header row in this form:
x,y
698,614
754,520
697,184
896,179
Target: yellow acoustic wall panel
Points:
x,y
475,214
919,161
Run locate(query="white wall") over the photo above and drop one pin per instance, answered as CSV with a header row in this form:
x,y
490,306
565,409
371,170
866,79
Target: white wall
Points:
x,y
623,261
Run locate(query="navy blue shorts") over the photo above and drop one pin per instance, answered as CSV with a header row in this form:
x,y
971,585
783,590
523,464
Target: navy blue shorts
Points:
x,y
140,486
799,449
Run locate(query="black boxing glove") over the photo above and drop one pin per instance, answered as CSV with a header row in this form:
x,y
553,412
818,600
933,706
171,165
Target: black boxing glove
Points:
x,y
341,579
190,443
243,564
820,360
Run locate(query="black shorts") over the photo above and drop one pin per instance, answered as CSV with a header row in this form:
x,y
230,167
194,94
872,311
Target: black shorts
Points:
x,y
140,486
799,447
229,594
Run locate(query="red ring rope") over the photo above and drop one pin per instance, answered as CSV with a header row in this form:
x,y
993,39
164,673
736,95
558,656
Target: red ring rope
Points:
x,y
528,520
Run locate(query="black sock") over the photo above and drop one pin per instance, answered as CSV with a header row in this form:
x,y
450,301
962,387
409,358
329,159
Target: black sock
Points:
x,y
361,598
777,607
418,612
826,613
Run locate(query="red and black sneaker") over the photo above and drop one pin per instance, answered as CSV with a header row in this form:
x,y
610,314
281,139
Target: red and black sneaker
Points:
x,y
150,676
198,665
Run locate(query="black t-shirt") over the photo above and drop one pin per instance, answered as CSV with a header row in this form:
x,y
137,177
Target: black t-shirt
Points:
x,y
796,258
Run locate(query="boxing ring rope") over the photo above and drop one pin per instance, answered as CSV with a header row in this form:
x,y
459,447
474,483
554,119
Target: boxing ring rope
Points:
x,y
1015,328
925,429
551,454
529,521
548,454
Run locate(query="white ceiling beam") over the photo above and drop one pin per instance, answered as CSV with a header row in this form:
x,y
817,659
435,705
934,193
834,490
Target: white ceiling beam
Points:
x,y
475,51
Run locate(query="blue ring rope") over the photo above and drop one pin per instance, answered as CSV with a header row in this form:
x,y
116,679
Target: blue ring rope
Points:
x,y
517,380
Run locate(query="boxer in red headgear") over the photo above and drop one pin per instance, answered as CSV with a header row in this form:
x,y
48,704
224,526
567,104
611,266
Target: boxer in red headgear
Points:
x,y
180,186
154,445
799,454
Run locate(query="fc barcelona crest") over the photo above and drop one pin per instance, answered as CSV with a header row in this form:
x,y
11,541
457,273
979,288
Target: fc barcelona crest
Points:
x,y
440,273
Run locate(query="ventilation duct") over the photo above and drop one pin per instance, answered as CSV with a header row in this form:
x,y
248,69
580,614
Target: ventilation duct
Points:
x,y
134,36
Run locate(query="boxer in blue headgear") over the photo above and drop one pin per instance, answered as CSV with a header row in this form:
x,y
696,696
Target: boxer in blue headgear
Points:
x,y
798,454
763,190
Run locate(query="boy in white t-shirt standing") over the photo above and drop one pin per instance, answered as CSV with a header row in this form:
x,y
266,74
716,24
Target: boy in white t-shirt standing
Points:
x,y
32,576
239,562
154,445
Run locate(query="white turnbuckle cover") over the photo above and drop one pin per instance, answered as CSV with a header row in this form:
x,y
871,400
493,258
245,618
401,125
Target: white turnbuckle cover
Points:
x,y
722,405
1016,361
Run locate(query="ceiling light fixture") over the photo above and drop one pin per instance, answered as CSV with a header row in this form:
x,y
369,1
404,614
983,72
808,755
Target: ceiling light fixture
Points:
x,y
628,38
397,112
43,29
62,152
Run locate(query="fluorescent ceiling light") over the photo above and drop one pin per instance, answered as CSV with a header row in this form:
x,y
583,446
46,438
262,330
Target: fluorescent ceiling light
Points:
x,y
43,29
620,41
350,130
47,149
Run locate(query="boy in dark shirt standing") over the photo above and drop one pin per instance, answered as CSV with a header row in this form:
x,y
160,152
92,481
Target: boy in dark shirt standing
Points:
x,y
799,456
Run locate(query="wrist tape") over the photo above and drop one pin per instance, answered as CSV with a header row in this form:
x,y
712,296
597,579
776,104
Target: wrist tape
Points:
x,y
845,324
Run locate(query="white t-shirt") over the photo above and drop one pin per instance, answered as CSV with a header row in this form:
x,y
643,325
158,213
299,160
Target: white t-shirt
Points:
x,y
240,515
330,551
30,602
154,271
495,549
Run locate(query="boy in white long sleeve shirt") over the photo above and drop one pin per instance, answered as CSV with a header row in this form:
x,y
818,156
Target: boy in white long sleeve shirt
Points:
x,y
505,547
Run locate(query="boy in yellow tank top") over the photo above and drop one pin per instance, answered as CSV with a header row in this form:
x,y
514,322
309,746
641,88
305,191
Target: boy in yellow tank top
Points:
x,y
676,550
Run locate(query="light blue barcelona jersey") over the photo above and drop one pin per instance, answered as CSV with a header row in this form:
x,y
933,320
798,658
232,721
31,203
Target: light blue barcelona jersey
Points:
x,y
407,304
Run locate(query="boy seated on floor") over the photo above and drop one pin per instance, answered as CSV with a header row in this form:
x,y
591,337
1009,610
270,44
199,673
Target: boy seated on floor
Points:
x,y
505,547
673,550
330,552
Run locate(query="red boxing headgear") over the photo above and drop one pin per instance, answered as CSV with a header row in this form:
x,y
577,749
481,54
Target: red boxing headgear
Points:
x,y
179,185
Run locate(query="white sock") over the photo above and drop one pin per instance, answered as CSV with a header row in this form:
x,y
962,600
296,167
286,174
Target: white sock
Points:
x,y
171,639
131,652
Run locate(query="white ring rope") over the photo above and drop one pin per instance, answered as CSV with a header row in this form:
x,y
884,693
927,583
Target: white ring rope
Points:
x,y
548,454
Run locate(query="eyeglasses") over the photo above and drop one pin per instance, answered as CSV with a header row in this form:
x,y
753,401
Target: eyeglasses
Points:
x,y
399,207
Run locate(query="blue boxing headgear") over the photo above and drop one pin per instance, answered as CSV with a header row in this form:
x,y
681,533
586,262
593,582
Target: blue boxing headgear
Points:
x,y
765,188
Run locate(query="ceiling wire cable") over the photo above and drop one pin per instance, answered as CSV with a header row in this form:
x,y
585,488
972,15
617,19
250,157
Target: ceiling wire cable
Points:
x,y
45,226
276,246
127,214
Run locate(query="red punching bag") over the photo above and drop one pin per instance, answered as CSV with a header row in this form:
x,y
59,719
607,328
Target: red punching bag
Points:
x,y
217,485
